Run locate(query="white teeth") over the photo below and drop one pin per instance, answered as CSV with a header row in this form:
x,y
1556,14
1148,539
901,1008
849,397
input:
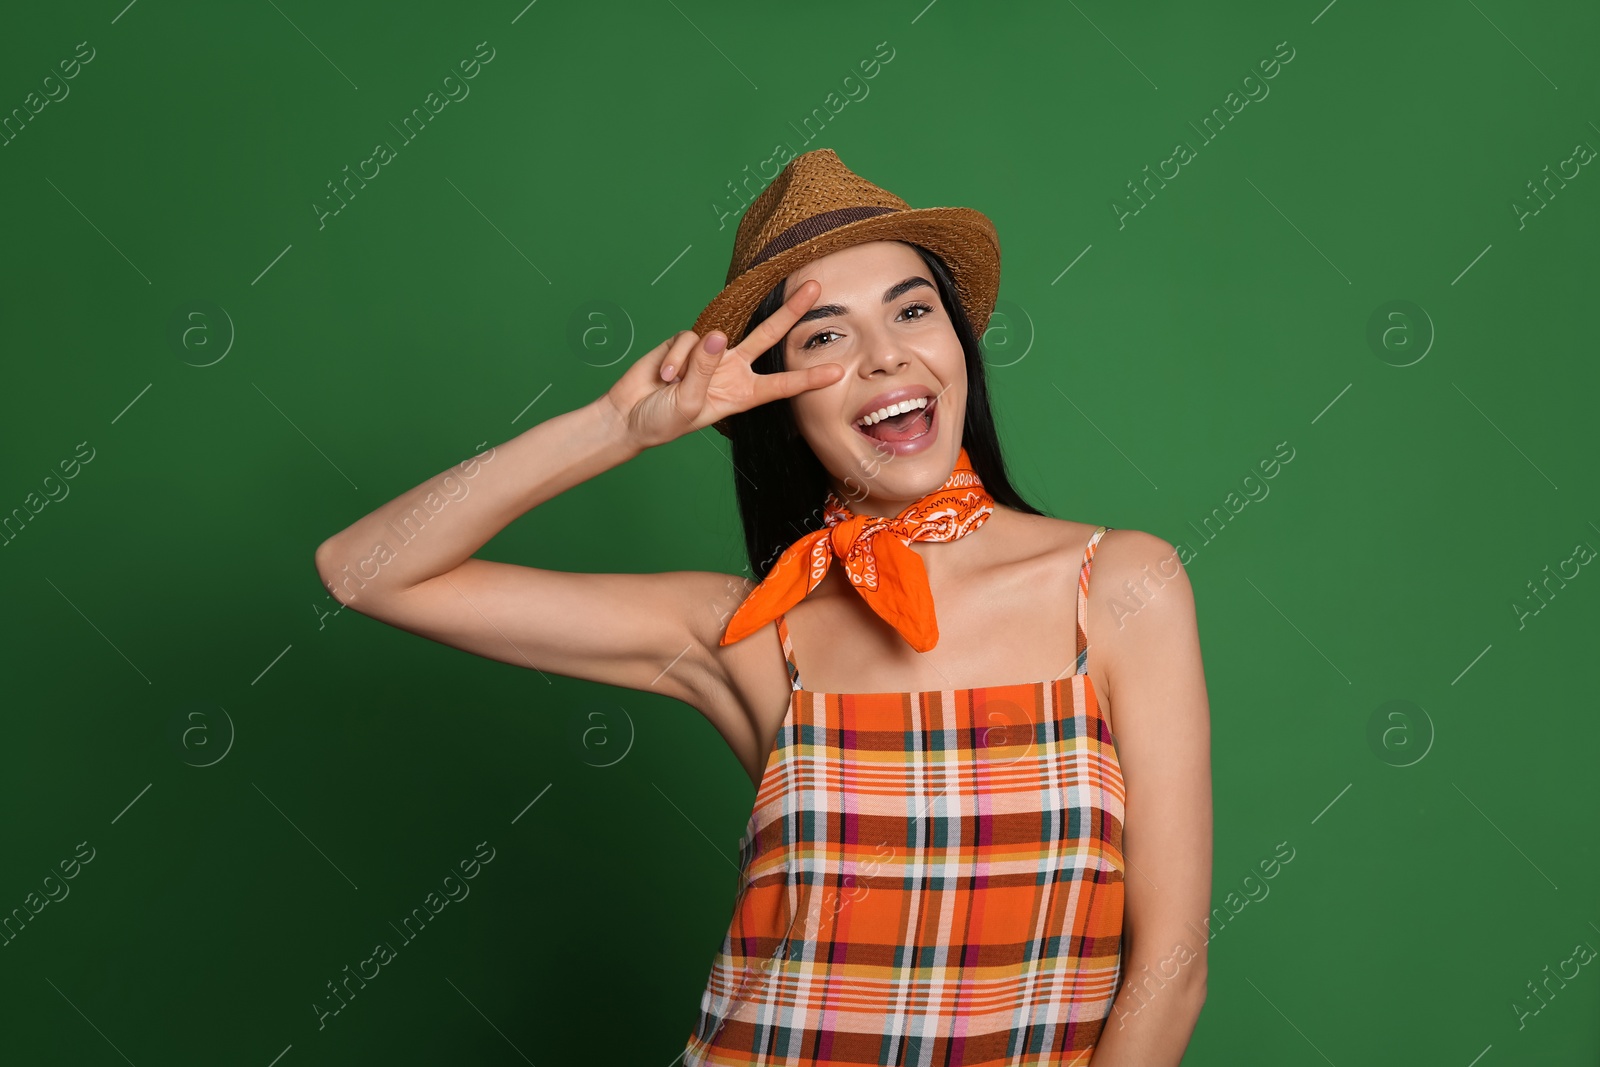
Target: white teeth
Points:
x,y
893,409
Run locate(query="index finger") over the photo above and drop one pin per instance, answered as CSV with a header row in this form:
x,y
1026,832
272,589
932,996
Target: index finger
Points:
x,y
776,326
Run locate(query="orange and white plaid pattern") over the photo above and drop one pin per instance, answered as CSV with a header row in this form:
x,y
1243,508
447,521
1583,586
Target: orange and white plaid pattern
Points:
x,y
929,878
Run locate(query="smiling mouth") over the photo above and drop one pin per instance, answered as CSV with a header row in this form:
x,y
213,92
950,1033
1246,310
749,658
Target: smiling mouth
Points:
x,y
903,426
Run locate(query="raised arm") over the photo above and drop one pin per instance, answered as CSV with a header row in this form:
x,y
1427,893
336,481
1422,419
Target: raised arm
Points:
x,y
410,563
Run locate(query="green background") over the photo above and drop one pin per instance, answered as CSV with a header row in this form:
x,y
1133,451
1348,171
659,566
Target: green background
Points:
x,y
166,613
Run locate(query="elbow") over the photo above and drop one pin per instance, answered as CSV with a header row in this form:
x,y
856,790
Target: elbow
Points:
x,y
1195,992
334,572
323,559
1195,980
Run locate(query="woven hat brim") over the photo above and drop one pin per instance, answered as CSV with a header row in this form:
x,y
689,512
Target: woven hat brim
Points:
x,y
963,237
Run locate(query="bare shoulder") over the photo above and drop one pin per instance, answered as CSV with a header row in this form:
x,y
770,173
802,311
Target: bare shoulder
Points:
x,y
1120,556
1133,574
1127,554
1142,617
1053,542
1140,605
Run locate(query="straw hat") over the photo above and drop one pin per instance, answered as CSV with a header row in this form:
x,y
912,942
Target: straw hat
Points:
x,y
817,205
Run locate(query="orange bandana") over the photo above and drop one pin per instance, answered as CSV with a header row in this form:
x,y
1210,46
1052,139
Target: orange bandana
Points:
x,y
876,554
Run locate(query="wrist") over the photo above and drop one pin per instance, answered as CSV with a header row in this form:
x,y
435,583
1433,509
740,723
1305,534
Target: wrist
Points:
x,y
614,425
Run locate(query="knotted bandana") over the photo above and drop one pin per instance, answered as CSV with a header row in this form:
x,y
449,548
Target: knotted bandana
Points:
x,y
876,554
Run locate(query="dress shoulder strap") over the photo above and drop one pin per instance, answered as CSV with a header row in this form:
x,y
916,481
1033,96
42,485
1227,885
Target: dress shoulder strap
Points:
x,y
788,652
1083,600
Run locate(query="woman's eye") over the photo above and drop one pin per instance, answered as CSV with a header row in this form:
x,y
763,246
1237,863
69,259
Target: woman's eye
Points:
x,y
812,342
816,338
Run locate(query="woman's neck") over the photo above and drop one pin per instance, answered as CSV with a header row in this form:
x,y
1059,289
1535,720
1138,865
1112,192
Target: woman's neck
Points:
x,y
976,551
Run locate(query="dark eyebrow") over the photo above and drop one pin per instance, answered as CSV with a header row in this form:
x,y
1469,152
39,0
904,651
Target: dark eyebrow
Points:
x,y
828,311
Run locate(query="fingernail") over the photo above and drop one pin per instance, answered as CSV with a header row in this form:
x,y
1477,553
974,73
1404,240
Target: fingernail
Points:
x,y
715,343
666,373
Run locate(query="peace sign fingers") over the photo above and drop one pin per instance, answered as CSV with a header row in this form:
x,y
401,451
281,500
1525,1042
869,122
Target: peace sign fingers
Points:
x,y
777,325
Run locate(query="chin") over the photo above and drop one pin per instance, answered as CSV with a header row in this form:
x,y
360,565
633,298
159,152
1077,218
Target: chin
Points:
x,y
904,477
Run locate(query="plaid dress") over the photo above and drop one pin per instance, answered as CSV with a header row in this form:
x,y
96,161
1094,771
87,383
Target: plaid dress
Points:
x,y
928,878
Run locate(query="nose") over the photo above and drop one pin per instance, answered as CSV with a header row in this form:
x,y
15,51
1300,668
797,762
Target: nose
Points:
x,y
882,354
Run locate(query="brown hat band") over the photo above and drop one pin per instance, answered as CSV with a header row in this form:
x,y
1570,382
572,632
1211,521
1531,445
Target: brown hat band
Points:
x,y
816,226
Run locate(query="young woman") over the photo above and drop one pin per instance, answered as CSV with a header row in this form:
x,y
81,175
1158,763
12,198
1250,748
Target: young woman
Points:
x,y
973,842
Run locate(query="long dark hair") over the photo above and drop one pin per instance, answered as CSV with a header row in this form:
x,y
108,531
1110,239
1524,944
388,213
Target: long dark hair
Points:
x,y
779,481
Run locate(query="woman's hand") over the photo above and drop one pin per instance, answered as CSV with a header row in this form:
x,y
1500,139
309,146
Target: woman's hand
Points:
x,y
686,383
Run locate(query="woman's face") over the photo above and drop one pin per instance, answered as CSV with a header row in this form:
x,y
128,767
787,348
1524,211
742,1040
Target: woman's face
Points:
x,y
879,316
